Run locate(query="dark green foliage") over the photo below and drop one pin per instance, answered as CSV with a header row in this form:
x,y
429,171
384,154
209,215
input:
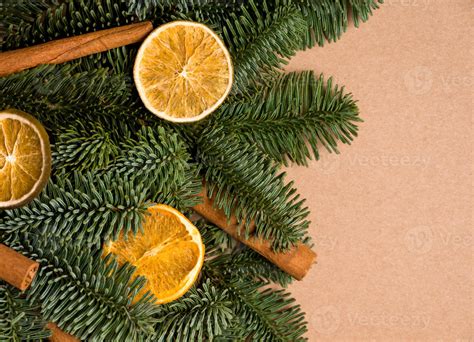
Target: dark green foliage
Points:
x,y
88,145
119,60
183,193
87,207
247,263
86,295
20,320
215,239
59,94
158,159
246,182
198,10
295,111
259,40
158,154
266,314
231,302
263,313
59,19
327,20
223,251
201,314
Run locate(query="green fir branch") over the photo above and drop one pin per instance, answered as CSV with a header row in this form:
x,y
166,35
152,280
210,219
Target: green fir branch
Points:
x,y
202,314
19,318
58,94
215,239
88,208
246,183
268,315
60,19
327,20
249,264
158,159
86,295
88,145
263,313
295,113
223,252
260,40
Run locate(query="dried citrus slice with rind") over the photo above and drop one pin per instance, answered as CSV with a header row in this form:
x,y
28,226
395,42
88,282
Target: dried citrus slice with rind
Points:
x,y
25,158
168,252
183,71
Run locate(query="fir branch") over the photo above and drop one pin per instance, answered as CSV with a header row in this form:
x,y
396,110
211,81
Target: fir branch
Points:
x,y
19,319
88,145
260,39
86,295
183,194
60,19
202,314
226,254
215,239
268,315
197,10
235,333
158,160
246,183
250,265
295,111
15,13
58,94
119,60
327,20
264,314
145,9
159,154
89,208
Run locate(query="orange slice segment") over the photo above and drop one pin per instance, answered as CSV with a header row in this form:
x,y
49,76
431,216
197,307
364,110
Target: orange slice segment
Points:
x,y
183,71
169,253
25,158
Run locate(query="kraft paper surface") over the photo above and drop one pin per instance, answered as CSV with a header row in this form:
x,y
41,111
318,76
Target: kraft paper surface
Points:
x,y
392,214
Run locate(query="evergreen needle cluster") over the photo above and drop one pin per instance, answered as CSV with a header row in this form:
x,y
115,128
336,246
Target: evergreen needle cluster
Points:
x,y
112,159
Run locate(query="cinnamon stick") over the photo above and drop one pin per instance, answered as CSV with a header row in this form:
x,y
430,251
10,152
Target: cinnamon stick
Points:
x,y
296,262
67,49
16,269
58,335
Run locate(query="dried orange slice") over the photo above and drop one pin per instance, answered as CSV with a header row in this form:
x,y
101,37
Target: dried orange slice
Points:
x,y
183,71
169,252
25,158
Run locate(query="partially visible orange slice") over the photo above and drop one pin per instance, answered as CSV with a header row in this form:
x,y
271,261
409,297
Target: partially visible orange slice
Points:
x,y
183,71
169,252
25,158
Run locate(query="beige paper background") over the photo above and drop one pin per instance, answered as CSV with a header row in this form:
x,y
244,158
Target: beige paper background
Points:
x,y
392,214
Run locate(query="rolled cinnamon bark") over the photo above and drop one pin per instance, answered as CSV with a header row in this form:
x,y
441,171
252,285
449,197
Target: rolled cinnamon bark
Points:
x,y
296,262
67,49
16,269
58,335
